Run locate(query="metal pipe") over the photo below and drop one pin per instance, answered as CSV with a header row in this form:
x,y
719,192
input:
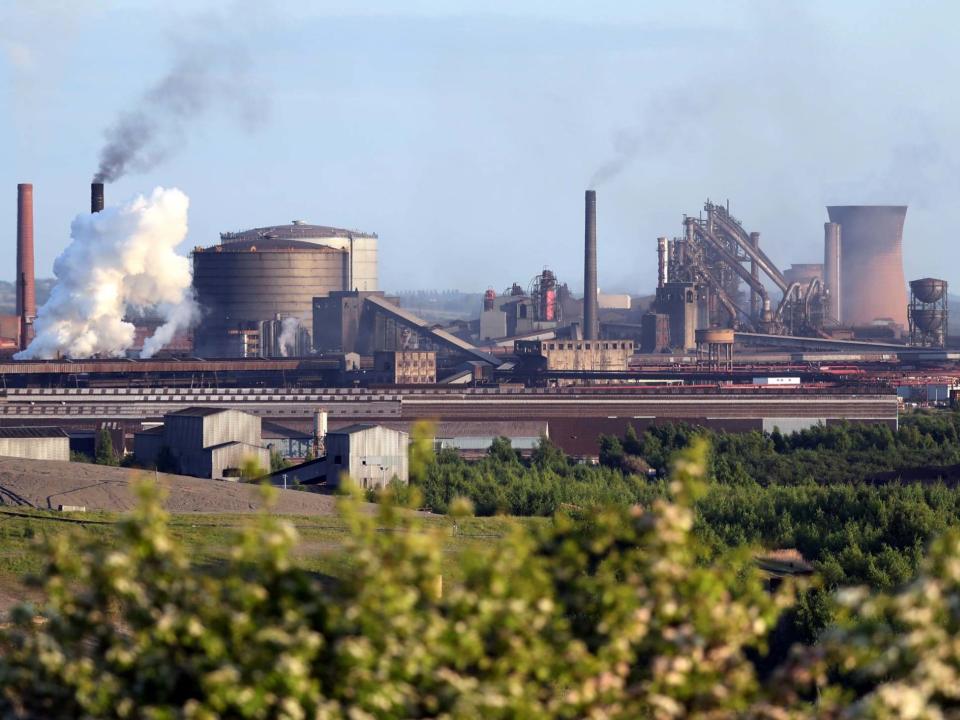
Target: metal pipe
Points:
x,y
756,302
591,325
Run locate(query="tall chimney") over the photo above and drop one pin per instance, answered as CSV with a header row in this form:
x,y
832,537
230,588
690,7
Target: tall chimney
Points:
x,y
591,325
26,289
96,197
663,262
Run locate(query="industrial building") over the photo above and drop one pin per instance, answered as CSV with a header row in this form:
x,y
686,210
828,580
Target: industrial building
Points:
x,y
35,443
405,367
593,355
206,442
371,455
271,274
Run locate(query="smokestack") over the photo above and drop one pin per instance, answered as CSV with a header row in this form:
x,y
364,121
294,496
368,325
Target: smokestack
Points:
x,y
663,266
591,325
26,289
96,197
831,268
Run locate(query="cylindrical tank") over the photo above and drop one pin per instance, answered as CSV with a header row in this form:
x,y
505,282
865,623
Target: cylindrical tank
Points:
x,y
928,290
715,336
831,270
591,325
927,318
247,282
871,265
320,424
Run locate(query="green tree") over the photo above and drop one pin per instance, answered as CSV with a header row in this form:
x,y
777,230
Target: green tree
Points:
x,y
105,454
609,615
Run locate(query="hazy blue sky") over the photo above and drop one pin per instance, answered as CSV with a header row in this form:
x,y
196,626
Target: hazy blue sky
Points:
x,y
465,133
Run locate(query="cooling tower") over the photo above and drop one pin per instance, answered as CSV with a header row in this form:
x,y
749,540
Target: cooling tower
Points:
x,y
25,287
591,325
872,284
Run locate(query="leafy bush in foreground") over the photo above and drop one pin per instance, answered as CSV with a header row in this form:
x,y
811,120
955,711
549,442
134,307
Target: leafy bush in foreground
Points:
x,y
612,614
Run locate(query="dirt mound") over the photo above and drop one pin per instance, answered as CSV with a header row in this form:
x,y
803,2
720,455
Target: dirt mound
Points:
x,y
47,484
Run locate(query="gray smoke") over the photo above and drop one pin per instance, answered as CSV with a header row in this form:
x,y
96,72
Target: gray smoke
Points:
x,y
208,72
664,123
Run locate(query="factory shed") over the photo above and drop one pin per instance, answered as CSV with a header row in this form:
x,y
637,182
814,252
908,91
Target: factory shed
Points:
x,y
204,442
35,443
372,455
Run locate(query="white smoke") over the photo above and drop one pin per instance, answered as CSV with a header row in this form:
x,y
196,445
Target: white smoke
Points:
x,y
288,335
118,259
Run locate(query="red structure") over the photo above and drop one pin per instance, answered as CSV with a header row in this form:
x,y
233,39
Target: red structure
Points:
x,y
25,287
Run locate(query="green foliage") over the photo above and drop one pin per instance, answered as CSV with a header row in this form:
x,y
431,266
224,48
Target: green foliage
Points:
x,y
277,461
614,613
105,453
80,457
609,615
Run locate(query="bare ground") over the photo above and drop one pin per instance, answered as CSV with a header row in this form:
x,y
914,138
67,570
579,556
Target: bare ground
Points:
x,y
47,484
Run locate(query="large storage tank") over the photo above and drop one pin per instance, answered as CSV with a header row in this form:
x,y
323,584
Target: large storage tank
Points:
x,y
259,275
872,283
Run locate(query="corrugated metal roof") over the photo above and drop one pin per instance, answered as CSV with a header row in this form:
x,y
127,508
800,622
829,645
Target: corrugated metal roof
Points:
x,y
199,411
355,428
32,432
158,430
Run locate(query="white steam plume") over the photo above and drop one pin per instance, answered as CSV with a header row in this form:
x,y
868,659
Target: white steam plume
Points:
x,y
288,335
117,259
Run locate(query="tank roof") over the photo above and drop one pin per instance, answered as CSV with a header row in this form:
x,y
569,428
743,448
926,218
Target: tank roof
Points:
x,y
297,230
267,243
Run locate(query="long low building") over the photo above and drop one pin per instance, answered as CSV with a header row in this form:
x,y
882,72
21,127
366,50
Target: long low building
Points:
x,y
577,416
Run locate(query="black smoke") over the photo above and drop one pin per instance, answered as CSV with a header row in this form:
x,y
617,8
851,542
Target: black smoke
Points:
x,y
209,71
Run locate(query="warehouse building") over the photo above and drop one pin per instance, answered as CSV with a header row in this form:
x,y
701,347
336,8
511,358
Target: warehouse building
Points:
x,y
35,443
204,442
372,455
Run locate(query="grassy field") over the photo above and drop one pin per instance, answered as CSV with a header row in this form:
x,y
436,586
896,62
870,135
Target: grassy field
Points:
x,y
210,538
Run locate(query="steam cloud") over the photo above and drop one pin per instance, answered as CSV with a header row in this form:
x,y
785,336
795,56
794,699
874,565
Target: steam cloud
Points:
x,y
288,335
119,259
206,72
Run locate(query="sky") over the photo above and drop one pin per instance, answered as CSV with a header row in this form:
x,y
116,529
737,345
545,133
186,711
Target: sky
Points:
x,y
464,134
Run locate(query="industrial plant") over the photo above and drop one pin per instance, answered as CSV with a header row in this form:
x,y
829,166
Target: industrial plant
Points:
x,y
283,321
